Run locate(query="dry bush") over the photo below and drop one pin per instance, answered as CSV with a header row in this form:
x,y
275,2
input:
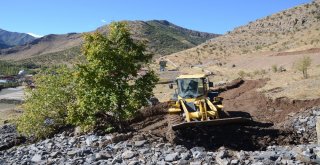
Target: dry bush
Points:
x,y
302,65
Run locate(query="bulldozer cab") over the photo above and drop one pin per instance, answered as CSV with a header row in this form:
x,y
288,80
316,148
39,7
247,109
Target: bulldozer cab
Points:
x,y
193,104
192,86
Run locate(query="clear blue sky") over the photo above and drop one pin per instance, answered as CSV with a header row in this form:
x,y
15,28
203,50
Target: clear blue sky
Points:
x,y
63,16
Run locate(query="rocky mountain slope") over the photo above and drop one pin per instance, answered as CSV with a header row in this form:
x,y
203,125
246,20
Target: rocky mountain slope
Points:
x,y
9,39
294,29
162,37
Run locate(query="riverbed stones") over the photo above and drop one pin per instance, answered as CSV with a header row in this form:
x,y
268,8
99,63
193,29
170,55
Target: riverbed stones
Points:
x,y
171,157
128,154
150,149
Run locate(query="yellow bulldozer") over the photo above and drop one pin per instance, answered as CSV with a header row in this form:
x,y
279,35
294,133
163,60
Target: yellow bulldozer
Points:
x,y
194,104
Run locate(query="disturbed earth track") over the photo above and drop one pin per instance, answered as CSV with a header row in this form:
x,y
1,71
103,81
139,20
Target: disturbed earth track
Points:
x,y
240,99
246,98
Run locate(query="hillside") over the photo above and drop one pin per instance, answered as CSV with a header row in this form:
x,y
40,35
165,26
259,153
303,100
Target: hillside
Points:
x,y
268,48
9,39
294,29
162,38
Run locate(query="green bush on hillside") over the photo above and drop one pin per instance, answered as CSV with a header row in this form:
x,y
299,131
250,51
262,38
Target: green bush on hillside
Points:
x,y
45,108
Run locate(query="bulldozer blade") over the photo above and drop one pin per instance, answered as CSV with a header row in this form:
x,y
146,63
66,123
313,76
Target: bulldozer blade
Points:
x,y
224,121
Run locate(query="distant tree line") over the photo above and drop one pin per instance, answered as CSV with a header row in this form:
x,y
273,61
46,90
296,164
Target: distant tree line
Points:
x,y
8,68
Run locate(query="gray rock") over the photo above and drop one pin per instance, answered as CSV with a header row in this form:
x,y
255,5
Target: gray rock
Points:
x,y
128,154
172,157
144,150
222,154
90,159
72,153
183,162
36,158
267,155
234,161
303,120
196,163
162,163
221,157
198,154
159,145
91,139
200,149
179,149
116,159
134,163
139,143
103,155
72,141
186,155
55,154
240,155
257,163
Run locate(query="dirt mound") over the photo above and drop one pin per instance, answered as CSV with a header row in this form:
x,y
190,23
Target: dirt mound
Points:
x,y
246,98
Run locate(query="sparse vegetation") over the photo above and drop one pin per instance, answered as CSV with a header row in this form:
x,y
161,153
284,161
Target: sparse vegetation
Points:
x,y
303,65
242,73
274,68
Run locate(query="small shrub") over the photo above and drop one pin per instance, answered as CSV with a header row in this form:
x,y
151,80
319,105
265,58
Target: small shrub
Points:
x,y
45,108
258,47
242,73
274,68
256,72
303,65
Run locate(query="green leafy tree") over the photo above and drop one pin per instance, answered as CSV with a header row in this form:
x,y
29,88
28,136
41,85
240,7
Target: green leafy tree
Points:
x,y
45,107
108,84
303,65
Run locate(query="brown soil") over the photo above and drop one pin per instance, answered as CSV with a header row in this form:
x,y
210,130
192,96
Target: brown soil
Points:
x,y
245,98
240,100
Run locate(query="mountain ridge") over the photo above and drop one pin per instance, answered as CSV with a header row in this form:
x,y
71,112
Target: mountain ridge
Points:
x,y
163,38
10,39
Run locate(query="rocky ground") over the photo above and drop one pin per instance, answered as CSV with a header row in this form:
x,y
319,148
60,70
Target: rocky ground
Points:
x,y
148,148
283,133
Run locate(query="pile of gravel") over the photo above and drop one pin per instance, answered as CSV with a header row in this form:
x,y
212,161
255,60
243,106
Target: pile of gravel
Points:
x,y
304,123
9,137
147,149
